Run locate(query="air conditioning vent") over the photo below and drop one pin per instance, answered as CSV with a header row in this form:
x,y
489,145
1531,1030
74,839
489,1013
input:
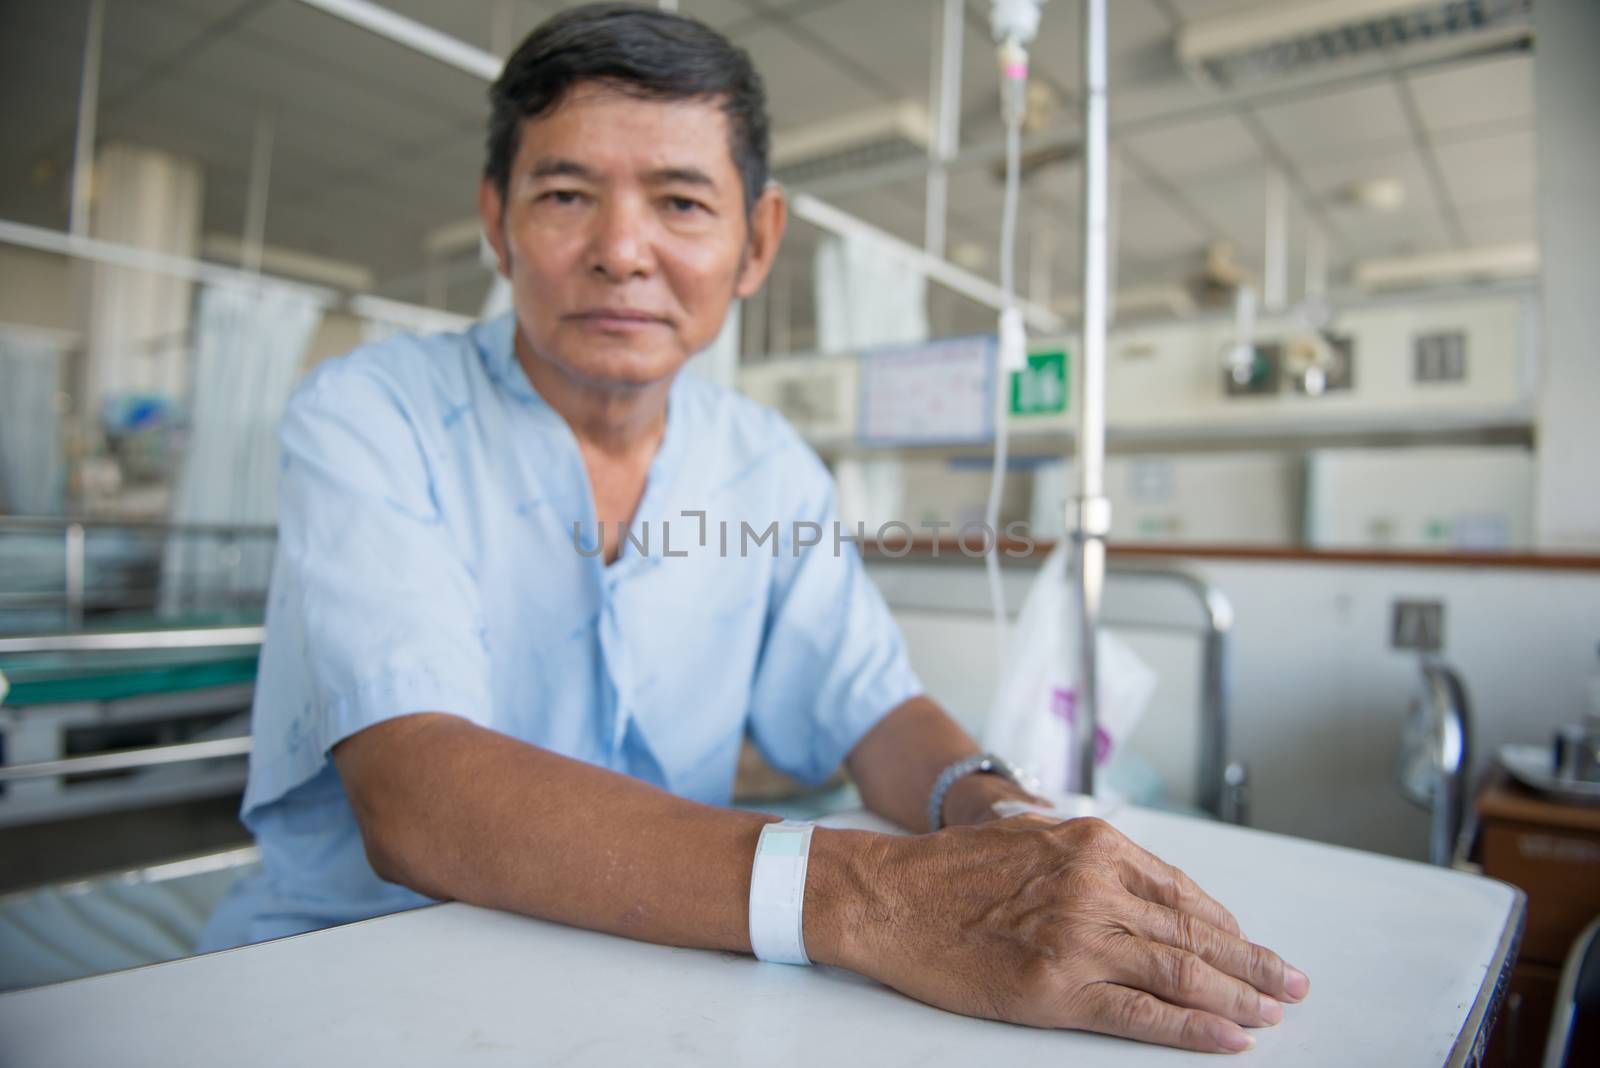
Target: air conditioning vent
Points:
x,y
1277,40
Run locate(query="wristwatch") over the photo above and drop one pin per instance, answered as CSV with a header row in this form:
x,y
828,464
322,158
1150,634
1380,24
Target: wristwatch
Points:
x,y
977,764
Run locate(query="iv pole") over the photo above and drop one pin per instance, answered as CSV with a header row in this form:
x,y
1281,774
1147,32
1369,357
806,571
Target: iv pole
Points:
x,y
1089,514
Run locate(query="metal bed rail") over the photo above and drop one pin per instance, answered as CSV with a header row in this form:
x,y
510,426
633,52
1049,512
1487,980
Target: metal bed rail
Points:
x,y
74,532
132,641
156,640
129,759
1223,785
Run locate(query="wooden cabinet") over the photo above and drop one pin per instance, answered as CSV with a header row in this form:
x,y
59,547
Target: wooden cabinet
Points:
x,y
1551,851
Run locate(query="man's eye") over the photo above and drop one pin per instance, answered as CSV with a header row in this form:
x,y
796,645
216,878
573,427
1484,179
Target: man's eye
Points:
x,y
684,205
562,196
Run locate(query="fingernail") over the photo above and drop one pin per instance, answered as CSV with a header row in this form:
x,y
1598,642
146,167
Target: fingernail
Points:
x,y
1232,1038
1271,1011
1295,983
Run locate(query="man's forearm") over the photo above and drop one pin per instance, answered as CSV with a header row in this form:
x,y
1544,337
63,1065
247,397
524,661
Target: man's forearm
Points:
x,y
897,763
1054,925
455,811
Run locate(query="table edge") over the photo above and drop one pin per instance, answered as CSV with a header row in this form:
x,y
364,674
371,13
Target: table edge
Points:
x,y
1471,1043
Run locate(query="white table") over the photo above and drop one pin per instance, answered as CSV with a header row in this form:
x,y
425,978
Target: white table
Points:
x,y
1405,960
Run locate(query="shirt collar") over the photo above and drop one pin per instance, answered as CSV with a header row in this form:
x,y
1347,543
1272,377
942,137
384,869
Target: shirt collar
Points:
x,y
496,340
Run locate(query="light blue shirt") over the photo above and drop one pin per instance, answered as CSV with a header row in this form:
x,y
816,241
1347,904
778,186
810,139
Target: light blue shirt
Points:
x,y
427,562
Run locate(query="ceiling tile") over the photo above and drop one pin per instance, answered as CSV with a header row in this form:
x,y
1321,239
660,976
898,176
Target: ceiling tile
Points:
x,y
471,21
1330,177
1197,149
1494,91
893,39
1234,203
1403,233
1489,170
314,52
800,87
718,14
897,208
1514,226
1150,229
1330,125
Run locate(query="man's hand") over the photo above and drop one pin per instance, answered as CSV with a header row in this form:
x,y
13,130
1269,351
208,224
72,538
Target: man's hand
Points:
x,y
1064,925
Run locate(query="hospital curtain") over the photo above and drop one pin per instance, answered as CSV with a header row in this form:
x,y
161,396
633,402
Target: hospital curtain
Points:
x,y
250,345
868,295
31,467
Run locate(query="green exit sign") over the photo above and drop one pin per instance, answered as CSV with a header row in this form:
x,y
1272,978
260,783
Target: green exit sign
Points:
x,y
1040,388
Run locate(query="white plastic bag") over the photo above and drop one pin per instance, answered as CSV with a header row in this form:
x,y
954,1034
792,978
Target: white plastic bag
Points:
x,y
1035,711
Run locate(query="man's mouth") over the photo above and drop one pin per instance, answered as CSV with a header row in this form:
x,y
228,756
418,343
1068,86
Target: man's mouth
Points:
x,y
618,319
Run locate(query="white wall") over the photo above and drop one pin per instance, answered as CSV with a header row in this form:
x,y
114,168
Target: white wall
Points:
x,y
1319,696
1567,85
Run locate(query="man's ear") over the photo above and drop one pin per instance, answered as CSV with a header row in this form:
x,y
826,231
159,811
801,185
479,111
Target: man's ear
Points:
x,y
768,220
491,208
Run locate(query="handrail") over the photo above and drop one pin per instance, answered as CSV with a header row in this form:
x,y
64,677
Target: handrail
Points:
x,y
62,523
129,641
1223,786
126,759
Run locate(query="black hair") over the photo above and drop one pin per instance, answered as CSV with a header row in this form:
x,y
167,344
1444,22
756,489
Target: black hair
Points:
x,y
654,54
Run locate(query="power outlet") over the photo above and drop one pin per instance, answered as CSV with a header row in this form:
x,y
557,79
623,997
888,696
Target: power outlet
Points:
x,y
1439,357
1418,625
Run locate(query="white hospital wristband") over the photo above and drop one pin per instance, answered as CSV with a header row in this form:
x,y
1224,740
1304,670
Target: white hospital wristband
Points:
x,y
778,893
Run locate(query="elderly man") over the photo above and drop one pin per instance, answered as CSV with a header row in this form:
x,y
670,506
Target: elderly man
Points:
x,y
481,683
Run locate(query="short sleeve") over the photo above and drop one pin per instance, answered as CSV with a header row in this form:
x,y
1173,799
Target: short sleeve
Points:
x,y
380,597
832,661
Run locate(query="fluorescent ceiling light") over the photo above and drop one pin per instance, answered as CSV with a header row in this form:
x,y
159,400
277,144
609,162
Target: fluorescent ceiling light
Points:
x,y
417,36
1442,268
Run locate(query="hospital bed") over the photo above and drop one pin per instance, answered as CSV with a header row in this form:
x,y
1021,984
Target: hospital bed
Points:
x,y
131,652
81,703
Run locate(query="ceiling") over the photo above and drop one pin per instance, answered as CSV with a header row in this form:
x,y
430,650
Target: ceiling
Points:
x,y
374,146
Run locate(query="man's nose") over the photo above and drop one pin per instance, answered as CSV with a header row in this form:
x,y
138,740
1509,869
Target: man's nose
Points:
x,y
621,247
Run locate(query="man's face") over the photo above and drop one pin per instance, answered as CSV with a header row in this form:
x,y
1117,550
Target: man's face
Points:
x,y
624,234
